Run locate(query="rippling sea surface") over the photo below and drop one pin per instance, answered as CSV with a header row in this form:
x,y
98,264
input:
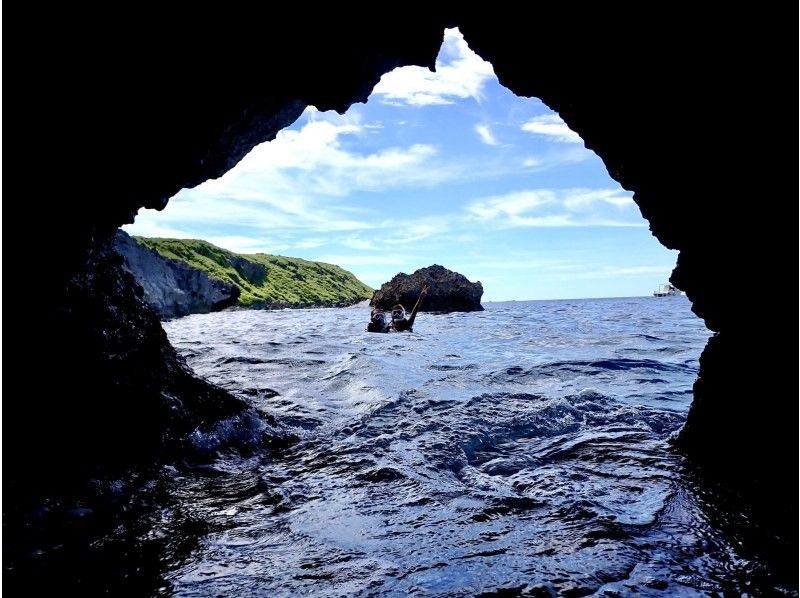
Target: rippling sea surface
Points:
x,y
522,448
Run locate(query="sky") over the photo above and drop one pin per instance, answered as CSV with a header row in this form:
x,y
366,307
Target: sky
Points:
x,y
438,167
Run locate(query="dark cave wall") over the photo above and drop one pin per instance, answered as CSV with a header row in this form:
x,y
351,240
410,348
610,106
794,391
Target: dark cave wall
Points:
x,y
120,120
125,114
106,389
660,105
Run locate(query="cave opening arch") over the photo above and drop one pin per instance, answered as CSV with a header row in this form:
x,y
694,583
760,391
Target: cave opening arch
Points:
x,y
443,166
639,121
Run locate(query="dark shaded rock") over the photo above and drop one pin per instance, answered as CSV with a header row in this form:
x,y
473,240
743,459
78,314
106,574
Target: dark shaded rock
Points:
x,y
252,271
115,390
447,291
173,288
105,399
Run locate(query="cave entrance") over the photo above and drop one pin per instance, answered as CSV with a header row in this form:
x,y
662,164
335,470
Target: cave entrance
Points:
x,y
438,167
445,167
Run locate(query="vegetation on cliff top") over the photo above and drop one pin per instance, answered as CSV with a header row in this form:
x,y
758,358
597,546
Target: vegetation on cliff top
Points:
x,y
267,281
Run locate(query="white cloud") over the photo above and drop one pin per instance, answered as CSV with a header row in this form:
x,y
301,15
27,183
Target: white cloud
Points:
x,y
511,204
532,162
210,213
580,199
299,181
156,228
460,73
316,160
555,156
550,221
485,134
556,208
413,231
552,127
401,231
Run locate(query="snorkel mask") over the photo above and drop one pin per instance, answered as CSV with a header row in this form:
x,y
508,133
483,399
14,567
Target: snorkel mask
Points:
x,y
398,313
378,317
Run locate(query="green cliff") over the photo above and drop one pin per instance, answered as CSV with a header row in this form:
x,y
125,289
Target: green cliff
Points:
x,y
266,281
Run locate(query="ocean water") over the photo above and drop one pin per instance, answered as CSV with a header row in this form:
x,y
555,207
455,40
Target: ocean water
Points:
x,y
523,448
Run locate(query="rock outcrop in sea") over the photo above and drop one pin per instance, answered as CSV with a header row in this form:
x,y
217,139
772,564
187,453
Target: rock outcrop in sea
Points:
x,y
173,288
447,291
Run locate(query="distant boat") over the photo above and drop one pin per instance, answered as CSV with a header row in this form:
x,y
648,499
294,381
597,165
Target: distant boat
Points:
x,y
666,290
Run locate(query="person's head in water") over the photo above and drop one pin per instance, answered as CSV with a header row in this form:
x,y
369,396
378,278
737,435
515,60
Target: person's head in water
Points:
x,y
398,313
400,322
377,321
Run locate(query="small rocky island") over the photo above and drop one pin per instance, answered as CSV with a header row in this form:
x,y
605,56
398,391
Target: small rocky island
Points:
x,y
447,291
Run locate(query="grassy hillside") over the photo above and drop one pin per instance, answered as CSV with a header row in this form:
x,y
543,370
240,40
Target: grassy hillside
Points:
x,y
267,280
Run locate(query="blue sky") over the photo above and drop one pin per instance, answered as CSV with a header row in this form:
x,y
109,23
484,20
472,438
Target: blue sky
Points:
x,y
444,167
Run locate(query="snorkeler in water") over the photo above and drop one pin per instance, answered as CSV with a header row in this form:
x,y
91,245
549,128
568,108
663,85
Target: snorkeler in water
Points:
x,y
400,322
377,321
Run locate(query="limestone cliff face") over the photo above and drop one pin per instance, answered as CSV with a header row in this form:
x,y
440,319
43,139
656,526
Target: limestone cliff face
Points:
x,y
170,287
447,291
266,281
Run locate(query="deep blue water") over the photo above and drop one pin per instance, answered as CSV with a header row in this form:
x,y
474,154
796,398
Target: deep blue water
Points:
x,y
524,447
